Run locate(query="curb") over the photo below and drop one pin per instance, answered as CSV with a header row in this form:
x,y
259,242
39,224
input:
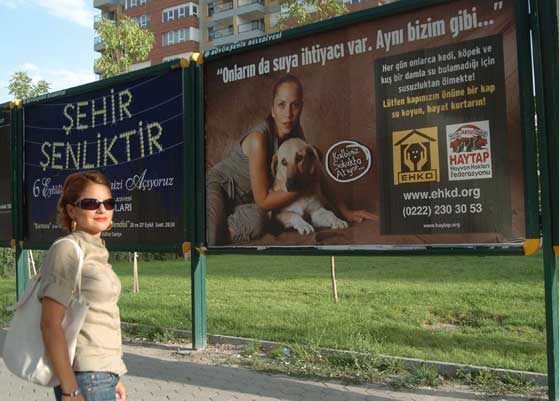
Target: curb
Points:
x,y
445,368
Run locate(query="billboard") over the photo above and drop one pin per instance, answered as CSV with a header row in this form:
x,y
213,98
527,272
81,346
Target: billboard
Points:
x,y
133,132
398,130
5,175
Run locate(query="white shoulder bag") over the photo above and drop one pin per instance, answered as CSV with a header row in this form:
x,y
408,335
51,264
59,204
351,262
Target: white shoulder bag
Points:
x,y
24,351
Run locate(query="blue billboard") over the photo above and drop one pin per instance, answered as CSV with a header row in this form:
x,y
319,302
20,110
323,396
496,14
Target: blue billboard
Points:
x,y
5,175
134,133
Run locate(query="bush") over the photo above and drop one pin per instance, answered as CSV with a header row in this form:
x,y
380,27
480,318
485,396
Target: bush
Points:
x,y
7,261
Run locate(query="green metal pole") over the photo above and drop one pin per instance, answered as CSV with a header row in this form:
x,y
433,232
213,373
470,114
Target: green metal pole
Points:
x,y
195,189
198,278
22,263
22,270
544,23
199,275
552,328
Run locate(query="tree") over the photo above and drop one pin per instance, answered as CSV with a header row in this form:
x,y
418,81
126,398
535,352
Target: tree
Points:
x,y
22,86
302,12
124,43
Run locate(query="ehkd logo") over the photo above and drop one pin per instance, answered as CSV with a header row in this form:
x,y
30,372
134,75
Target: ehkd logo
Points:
x,y
416,156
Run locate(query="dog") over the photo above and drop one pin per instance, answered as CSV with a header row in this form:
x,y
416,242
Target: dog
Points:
x,y
296,166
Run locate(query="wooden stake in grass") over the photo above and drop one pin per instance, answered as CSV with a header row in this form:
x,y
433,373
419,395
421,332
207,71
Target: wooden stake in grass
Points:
x,y
333,273
136,279
31,264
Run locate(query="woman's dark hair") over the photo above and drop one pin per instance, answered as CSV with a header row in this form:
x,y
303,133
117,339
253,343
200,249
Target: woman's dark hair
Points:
x,y
73,187
287,78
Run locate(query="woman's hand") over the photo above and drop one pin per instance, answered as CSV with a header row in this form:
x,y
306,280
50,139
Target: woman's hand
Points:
x,y
357,216
120,391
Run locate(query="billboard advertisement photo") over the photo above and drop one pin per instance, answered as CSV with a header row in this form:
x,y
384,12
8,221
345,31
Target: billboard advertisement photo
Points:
x,y
400,130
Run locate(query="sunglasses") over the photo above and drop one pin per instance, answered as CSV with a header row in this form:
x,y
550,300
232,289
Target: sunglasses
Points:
x,y
94,204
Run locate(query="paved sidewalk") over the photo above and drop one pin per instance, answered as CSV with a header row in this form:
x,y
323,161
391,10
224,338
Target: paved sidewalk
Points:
x,y
157,374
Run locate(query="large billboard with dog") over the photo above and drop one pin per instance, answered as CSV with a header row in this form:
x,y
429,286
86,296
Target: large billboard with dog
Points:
x,y
401,130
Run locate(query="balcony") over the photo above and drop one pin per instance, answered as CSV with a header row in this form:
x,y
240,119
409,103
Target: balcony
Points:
x,y
98,46
251,26
222,7
249,9
108,16
245,31
222,36
250,30
106,4
221,33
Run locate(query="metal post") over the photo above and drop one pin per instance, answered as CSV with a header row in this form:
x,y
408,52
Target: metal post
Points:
x,y
198,283
22,270
194,199
552,326
22,261
544,31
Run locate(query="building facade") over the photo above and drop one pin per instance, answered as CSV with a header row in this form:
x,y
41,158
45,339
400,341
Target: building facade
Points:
x,y
174,23
229,21
182,27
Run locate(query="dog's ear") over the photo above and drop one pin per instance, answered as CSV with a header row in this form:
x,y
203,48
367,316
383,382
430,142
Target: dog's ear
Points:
x,y
274,164
315,158
316,152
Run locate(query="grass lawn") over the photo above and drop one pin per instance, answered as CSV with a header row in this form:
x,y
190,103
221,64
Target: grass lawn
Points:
x,y
478,310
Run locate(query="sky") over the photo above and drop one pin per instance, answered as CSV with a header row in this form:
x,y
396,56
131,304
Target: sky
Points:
x,y
49,39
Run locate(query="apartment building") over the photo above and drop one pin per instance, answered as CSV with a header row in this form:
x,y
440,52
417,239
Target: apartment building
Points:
x,y
229,21
182,27
234,20
174,23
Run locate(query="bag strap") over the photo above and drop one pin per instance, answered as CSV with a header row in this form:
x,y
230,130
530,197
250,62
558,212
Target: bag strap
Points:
x,y
78,281
35,281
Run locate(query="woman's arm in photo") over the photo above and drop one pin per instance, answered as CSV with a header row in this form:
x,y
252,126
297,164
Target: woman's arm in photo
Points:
x,y
254,147
354,216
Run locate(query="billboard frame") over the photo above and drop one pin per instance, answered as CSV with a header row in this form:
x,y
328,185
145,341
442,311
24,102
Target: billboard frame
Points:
x,y
188,132
9,107
546,32
527,127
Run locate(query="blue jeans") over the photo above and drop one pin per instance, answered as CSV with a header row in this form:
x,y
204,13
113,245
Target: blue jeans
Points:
x,y
95,386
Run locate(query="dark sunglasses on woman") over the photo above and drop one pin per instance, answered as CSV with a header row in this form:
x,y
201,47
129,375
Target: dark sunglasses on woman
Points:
x,y
94,204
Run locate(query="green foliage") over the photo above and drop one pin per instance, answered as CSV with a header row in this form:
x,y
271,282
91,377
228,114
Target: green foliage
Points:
x,y
22,87
308,361
358,368
7,261
279,352
422,376
252,348
42,87
149,333
124,43
302,12
489,382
